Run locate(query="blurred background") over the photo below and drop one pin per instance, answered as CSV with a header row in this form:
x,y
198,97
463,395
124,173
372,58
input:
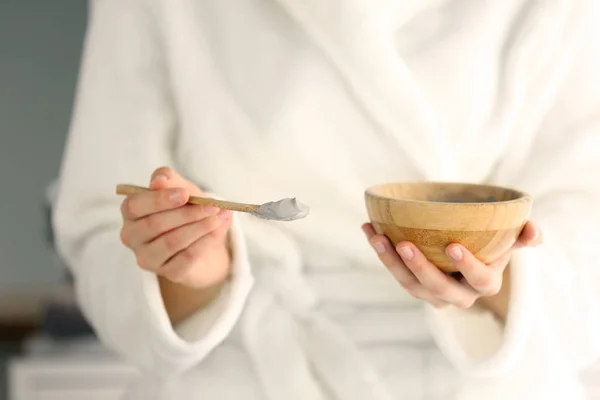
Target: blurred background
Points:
x,y
47,351
40,328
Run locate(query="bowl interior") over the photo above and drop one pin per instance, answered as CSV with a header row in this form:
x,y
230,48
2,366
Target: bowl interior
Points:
x,y
445,192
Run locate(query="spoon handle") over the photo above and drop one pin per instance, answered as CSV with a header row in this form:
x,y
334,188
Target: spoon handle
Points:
x,y
127,190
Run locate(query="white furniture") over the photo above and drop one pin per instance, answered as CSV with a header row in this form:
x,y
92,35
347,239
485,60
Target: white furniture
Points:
x,y
74,371
85,370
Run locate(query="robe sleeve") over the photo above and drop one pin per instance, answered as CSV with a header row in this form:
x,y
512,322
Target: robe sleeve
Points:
x,y
553,318
123,128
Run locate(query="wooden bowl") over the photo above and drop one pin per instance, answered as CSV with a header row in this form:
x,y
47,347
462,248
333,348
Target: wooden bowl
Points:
x,y
487,220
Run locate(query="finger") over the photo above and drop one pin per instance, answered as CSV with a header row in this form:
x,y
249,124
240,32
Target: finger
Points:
x,y
152,226
386,253
140,205
421,293
154,254
165,177
178,268
438,284
402,274
530,236
485,279
227,217
369,230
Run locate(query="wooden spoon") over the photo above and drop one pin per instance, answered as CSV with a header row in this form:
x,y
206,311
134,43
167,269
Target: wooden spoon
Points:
x,y
282,210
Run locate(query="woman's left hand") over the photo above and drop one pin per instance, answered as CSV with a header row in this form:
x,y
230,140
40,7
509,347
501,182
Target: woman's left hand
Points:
x,y
426,282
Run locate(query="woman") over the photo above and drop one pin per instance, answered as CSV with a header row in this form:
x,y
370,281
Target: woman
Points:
x,y
319,99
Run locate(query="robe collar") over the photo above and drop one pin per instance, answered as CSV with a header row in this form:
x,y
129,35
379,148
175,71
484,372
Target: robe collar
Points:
x,y
357,37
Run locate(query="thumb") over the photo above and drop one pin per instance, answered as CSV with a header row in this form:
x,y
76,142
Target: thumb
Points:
x,y
530,236
165,177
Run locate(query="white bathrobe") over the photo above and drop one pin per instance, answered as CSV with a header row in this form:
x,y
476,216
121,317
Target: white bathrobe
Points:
x,y
318,99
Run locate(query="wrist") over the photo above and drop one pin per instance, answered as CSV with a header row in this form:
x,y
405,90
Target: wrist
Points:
x,y
181,300
498,304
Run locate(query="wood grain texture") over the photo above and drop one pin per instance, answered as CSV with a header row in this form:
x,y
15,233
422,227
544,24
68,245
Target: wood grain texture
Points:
x,y
128,190
487,220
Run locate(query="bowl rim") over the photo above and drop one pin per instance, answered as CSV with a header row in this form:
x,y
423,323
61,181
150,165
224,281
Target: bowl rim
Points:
x,y
522,196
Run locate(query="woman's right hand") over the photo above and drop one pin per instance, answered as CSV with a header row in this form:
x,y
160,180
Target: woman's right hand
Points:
x,y
185,244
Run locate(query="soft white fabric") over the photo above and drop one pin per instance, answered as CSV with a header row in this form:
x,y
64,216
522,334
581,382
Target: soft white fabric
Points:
x,y
262,99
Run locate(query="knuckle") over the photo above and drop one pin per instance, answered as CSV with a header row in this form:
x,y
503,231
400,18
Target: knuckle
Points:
x,y
173,241
388,260
410,285
417,293
190,255
385,261
465,303
212,223
162,199
128,207
193,213
489,285
439,290
482,282
143,262
154,223
416,266
164,170
125,236
178,275
493,289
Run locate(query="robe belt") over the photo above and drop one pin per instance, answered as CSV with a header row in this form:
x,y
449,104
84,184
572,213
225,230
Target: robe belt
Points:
x,y
298,352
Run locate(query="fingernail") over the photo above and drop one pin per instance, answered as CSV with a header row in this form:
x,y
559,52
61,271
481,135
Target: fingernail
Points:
x,y
224,215
536,231
406,253
159,177
455,253
210,210
175,195
379,247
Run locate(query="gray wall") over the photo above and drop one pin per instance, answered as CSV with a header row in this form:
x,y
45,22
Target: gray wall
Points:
x,y
40,45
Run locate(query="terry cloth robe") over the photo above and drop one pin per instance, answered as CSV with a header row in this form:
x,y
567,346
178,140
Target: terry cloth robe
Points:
x,y
318,99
